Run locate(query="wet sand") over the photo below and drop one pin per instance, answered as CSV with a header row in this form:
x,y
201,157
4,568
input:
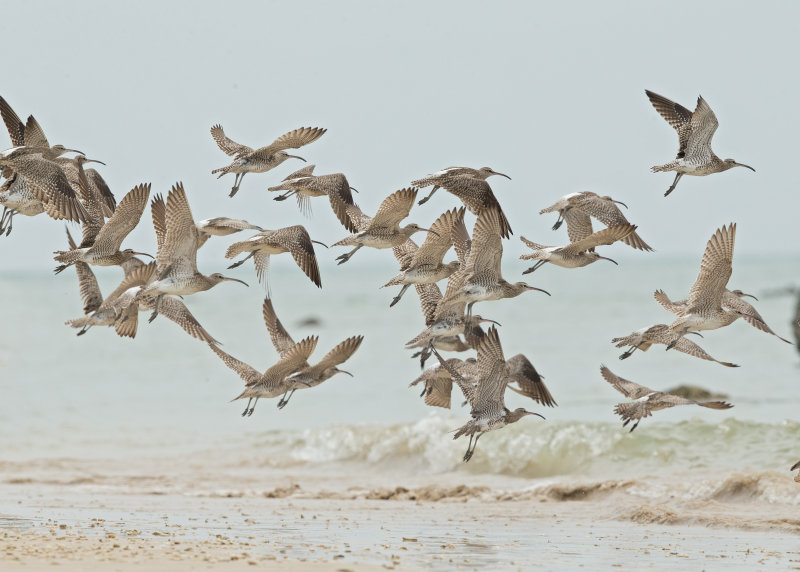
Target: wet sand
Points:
x,y
310,523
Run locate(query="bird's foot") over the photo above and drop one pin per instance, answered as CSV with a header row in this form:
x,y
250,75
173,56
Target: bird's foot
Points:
x,y
60,268
236,264
153,316
343,258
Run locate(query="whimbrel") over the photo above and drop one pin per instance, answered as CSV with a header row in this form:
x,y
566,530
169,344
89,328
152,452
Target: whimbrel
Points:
x,y
262,159
304,185
383,230
221,226
177,238
576,209
16,195
271,383
704,309
292,239
46,180
323,370
120,308
471,187
482,280
439,178
661,334
648,400
695,130
444,324
307,375
104,249
576,254
488,409
732,300
438,382
797,476
425,266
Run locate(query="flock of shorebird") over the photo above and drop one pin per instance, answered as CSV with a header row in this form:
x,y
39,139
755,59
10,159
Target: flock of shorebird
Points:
x,y
40,179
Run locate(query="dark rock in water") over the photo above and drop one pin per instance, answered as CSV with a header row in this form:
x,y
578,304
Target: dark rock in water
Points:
x,y
696,393
309,322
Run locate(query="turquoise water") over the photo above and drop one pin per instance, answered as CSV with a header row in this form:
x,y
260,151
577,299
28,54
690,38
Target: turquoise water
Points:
x,y
99,395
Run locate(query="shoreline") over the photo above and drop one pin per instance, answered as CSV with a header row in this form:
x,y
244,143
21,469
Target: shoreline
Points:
x,y
310,525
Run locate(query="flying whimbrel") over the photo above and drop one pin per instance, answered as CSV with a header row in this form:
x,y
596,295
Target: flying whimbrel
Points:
x,y
426,264
323,370
695,130
661,334
648,400
471,187
262,159
46,181
120,308
272,382
482,280
438,383
444,323
43,193
488,409
177,238
732,300
221,226
292,239
104,248
576,209
704,309
307,375
576,254
383,230
304,185
440,178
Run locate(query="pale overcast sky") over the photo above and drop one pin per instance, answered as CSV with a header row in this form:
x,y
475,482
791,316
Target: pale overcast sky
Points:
x,y
550,93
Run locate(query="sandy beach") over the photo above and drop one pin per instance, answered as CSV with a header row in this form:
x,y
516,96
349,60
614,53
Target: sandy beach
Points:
x,y
304,522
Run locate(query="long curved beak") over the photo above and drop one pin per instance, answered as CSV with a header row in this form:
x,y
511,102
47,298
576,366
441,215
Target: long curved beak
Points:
x,y
539,289
92,161
429,230
145,254
74,151
743,165
296,157
343,371
502,175
604,258
236,280
318,242
619,203
695,333
532,413
749,296
488,320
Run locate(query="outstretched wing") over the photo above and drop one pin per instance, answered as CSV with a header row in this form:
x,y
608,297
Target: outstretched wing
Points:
x,y
627,388
228,146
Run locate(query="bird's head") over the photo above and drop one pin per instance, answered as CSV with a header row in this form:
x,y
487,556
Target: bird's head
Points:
x,y
487,172
730,164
